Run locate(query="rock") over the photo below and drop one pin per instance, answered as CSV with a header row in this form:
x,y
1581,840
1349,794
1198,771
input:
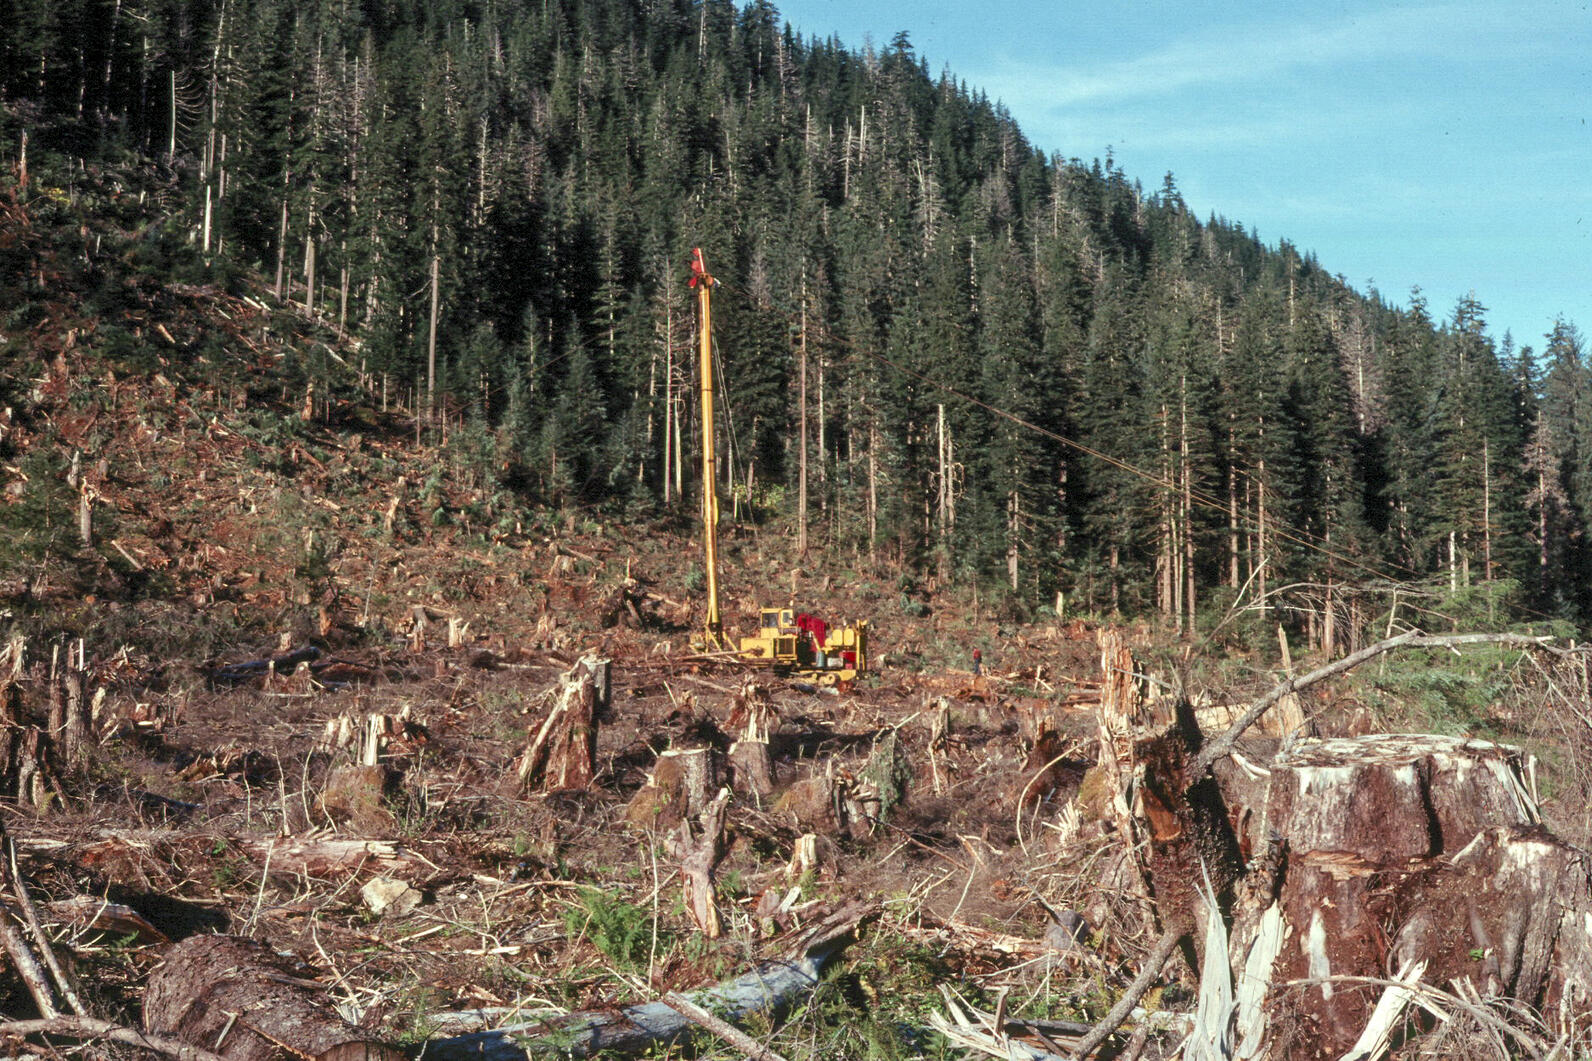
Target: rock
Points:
x,y
386,896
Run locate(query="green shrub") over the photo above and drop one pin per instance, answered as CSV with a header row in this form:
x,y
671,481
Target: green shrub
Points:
x,y
621,930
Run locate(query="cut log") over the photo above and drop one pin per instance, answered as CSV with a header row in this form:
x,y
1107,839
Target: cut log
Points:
x,y
766,993
235,997
93,914
330,857
258,670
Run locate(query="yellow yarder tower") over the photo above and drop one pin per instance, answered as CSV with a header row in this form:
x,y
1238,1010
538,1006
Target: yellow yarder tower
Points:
x,y
788,641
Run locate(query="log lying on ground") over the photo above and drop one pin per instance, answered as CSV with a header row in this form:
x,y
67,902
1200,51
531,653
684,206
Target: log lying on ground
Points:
x,y
233,996
330,672
330,857
767,992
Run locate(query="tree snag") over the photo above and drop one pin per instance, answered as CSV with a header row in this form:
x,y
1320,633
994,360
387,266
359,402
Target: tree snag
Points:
x,y
699,853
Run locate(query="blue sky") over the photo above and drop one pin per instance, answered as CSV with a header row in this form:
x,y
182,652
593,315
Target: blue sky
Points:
x,y
1444,145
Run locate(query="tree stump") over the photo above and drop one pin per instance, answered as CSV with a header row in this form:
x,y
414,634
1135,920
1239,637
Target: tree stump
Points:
x,y
751,765
817,804
562,754
699,853
681,786
1175,823
234,997
1393,850
752,768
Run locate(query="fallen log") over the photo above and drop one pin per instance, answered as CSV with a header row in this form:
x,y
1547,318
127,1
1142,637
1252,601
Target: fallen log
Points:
x,y
330,857
766,992
259,669
236,997
754,1050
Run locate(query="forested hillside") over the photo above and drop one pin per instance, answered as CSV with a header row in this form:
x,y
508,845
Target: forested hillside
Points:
x,y
940,345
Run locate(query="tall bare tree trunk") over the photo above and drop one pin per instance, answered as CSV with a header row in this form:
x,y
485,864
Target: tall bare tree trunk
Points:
x,y
1486,511
943,552
431,334
873,488
1013,530
801,417
1188,510
281,244
309,267
1233,580
1260,536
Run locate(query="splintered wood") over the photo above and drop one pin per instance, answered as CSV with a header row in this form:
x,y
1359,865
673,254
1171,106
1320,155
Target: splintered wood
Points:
x,y
699,851
752,768
562,753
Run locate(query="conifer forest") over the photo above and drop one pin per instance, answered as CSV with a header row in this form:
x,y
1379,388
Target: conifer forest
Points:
x,y
938,344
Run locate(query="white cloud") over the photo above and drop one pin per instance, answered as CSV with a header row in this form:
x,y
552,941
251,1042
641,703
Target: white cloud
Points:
x,y
1269,51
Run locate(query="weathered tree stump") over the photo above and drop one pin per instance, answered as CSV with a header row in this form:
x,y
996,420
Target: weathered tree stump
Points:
x,y
562,753
234,997
1405,849
356,795
1174,821
699,852
751,764
1350,861
682,785
752,768
817,804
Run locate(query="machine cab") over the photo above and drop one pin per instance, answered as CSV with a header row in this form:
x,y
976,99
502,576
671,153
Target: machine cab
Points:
x,y
778,621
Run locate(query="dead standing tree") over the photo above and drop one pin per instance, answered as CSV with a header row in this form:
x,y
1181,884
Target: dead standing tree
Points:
x,y
35,752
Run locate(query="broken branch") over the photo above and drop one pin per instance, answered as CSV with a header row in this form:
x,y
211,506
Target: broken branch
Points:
x,y
1412,638
749,1046
92,1028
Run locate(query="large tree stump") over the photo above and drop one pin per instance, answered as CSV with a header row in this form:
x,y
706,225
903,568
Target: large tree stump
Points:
x,y
234,997
1405,849
818,803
